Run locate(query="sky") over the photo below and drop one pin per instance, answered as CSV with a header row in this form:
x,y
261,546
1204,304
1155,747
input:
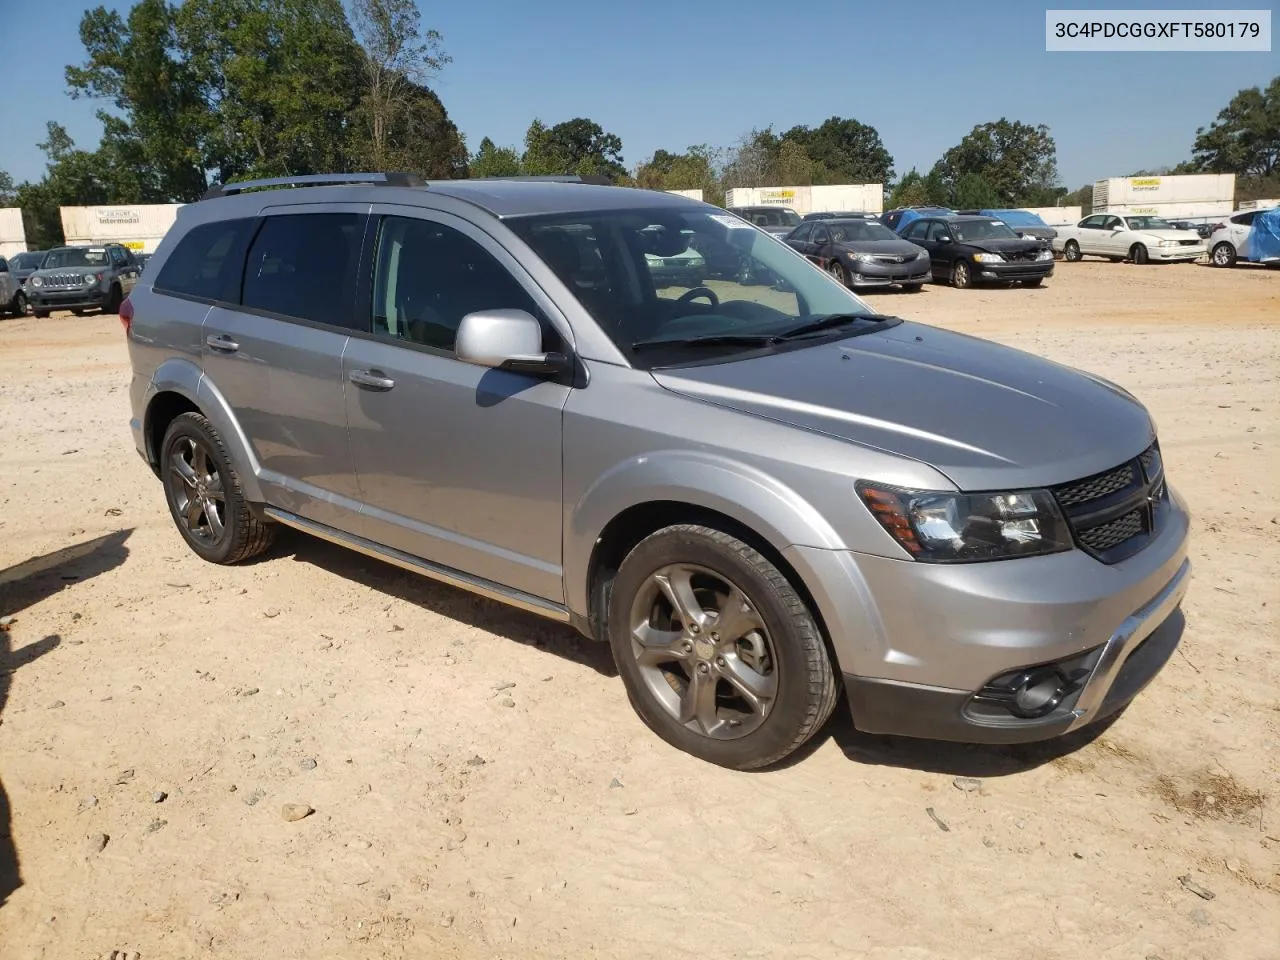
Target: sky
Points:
x,y
666,74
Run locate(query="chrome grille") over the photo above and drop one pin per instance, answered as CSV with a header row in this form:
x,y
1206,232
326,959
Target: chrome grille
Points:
x,y
1115,514
65,280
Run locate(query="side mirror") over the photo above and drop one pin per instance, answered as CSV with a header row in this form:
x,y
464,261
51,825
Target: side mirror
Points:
x,y
506,340
944,239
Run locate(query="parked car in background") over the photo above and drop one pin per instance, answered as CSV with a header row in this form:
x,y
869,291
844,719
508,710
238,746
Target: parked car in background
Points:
x,y
1142,239
862,253
778,221
1024,222
970,250
765,500
1203,230
898,220
82,278
1252,236
840,215
684,268
11,296
22,265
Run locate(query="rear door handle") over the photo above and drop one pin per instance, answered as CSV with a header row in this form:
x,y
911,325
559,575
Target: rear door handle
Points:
x,y
372,379
223,344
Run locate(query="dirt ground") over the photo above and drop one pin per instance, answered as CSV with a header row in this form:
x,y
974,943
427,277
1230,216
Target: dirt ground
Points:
x,y
481,787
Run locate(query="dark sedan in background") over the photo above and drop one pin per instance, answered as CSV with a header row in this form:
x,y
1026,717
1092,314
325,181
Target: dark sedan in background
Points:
x,y
970,250
861,253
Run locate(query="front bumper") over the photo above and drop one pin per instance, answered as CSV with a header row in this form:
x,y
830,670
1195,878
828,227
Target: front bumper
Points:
x,y
1177,253
42,299
919,643
1018,270
877,274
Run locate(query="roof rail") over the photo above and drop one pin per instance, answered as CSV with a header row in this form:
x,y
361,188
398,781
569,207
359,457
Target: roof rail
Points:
x,y
316,179
596,179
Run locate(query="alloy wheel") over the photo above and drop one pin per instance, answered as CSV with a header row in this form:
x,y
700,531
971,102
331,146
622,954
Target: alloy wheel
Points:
x,y
703,651
199,494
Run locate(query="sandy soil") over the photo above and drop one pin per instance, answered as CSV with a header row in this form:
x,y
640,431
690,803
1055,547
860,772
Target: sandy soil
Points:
x,y
481,787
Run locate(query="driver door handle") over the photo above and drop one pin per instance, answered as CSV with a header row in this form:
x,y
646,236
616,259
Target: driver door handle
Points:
x,y
223,343
371,379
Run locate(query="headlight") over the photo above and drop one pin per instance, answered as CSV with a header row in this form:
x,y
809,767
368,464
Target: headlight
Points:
x,y
960,527
987,258
89,278
1168,243
1044,255
863,257
36,281
922,255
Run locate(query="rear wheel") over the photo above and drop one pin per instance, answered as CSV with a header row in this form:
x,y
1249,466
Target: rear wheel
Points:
x,y
114,299
1224,255
719,654
838,273
1071,252
19,305
1138,254
204,495
961,275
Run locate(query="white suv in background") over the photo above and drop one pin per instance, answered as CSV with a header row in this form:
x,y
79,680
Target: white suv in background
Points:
x,y
1230,240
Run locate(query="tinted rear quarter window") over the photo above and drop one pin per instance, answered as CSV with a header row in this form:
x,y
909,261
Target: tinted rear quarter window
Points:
x,y
208,261
304,266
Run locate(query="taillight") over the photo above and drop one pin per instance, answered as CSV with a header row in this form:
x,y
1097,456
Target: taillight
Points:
x,y
1217,226
126,315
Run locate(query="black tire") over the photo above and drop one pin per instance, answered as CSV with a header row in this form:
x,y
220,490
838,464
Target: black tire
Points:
x,y
1033,283
805,684
243,535
19,305
1138,254
838,273
114,299
1071,252
40,314
961,275
1223,255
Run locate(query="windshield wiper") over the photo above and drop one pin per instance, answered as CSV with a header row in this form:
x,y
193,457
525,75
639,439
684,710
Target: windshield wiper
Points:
x,y
710,340
833,320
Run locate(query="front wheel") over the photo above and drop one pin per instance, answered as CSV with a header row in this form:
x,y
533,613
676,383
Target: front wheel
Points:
x,y
838,273
204,494
719,654
1138,254
1071,252
961,275
1224,255
19,305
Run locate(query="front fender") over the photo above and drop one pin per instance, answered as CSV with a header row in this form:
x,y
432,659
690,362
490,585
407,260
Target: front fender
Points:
x,y
181,376
747,495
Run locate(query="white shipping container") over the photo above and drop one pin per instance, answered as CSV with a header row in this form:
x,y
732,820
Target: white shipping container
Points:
x,y
1117,192
691,194
139,227
866,197
1174,211
1259,204
13,236
1057,216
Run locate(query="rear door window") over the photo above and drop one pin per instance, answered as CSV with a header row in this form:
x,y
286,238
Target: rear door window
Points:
x,y
303,265
208,262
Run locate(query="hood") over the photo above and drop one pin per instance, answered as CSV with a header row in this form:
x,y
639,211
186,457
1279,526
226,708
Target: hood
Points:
x,y
1005,245
1170,234
888,248
1040,233
989,417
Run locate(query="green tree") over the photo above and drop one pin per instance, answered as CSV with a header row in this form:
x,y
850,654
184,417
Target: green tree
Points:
x,y
494,161
794,167
8,190
695,169
910,191
399,58
843,150
1245,137
1016,159
418,137
753,160
1083,198
72,178
973,192
578,146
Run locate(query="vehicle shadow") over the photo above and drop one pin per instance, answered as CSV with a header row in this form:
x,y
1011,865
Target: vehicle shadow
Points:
x,y
936,756
447,601
21,587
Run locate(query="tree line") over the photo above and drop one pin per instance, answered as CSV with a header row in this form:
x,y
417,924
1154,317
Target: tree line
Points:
x,y
205,91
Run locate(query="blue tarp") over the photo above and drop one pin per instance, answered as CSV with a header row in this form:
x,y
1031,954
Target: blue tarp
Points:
x,y
911,214
1264,241
1015,218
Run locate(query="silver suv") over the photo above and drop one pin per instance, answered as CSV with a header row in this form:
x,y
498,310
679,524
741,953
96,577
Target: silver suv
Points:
x,y
757,493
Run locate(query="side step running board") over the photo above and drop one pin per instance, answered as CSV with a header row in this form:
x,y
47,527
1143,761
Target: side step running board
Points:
x,y
455,578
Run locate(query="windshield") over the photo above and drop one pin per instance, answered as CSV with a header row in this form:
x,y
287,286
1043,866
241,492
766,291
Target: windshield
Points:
x,y
856,231
1017,218
1150,223
966,230
75,257
742,284
772,217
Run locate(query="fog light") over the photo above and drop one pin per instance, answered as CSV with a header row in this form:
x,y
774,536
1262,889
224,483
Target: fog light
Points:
x,y
1037,692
